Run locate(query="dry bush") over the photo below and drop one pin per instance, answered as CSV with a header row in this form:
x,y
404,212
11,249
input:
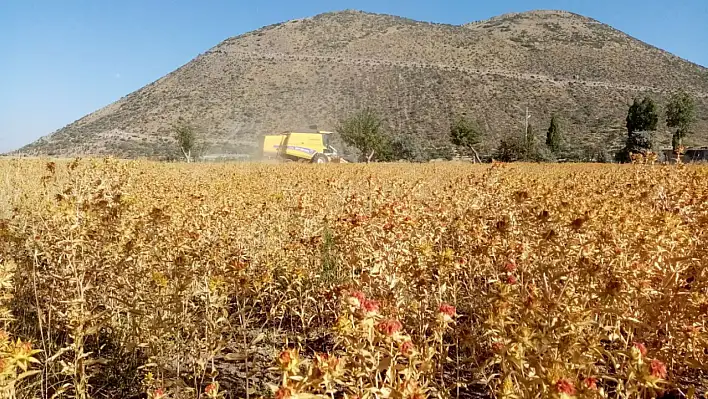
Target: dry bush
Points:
x,y
401,281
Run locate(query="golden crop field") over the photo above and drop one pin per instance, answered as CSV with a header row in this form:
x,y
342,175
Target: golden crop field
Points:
x,y
450,280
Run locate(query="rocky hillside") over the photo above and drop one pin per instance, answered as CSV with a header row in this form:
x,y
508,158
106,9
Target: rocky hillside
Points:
x,y
418,75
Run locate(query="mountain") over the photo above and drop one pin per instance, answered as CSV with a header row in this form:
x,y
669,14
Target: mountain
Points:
x,y
419,75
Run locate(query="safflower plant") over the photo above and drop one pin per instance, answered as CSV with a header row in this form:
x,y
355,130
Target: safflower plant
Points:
x,y
400,281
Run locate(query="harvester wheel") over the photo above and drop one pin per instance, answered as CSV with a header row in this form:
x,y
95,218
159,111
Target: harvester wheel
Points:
x,y
320,158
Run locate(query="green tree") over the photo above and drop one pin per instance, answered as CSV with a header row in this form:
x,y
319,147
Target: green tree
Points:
x,y
409,148
524,147
596,152
638,142
680,115
186,137
511,149
364,131
642,116
553,136
465,134
439,151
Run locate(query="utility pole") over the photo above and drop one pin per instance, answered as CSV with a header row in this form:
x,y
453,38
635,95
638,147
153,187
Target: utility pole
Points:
x,y
526,125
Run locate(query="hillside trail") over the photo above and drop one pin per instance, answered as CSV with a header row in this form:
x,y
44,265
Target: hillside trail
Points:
x,y
537,77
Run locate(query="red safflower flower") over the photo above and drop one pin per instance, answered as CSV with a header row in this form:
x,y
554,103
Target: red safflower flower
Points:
x,y
591,383
509,267
448,309
370,306
24,348
285,357
565,386
511,280
498,347
332,362
359,295
692,329
325,360
210,389
389,327
641,347
657,368
407,347
159,393
283,393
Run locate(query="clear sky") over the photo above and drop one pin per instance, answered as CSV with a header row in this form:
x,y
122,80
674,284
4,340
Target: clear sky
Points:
x,y
60,60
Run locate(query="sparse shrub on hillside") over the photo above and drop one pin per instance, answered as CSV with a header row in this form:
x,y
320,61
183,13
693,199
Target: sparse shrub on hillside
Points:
x,y
680,115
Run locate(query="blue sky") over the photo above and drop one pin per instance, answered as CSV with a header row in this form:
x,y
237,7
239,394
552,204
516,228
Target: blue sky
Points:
x,y
61,60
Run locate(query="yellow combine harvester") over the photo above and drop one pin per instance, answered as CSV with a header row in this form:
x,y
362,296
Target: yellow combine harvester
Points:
x,y
300,147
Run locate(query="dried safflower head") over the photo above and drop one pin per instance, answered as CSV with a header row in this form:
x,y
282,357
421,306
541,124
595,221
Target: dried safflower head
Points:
x,y
412,390
498,347
285,357
326,360
289,360
26,348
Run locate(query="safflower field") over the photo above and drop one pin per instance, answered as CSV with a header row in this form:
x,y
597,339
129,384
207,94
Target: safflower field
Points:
x,y
137,279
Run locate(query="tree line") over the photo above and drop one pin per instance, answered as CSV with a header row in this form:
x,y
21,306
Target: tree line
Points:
x,y
365,131
643,118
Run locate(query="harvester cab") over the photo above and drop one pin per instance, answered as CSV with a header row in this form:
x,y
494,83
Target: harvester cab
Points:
x,y
311,147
